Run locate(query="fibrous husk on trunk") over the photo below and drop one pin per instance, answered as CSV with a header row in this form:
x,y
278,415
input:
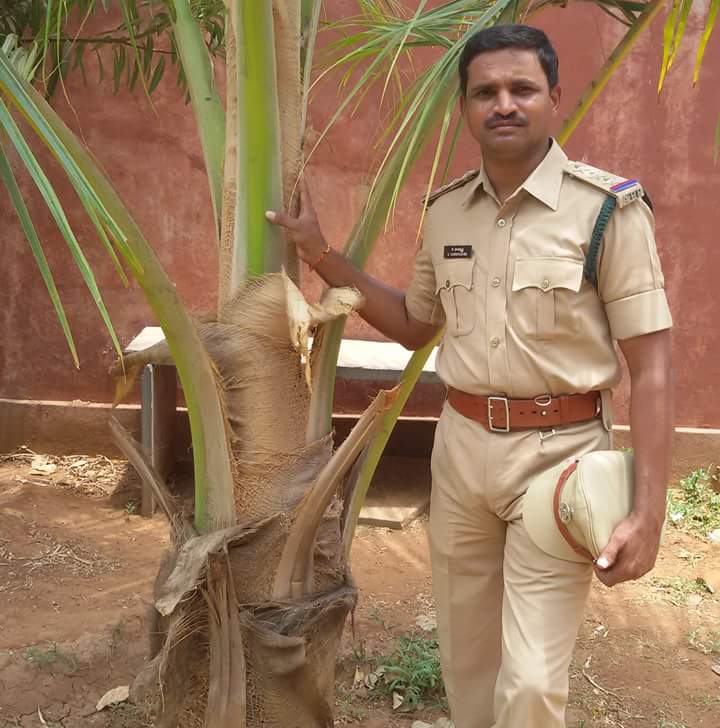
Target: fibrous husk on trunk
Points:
x,y
249,618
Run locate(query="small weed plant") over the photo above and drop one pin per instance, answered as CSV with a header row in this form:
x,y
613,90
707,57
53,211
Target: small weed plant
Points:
x,y
677,589
44,658
50,658
132,507
413,672
704,640
695,506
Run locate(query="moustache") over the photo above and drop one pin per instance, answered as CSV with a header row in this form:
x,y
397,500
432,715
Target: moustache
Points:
x,y
513,120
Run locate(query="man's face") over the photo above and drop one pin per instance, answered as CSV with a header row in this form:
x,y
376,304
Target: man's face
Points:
x,y
508,106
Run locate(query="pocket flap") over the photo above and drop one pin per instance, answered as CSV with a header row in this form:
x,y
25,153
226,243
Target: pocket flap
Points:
x,y
449,273
548,274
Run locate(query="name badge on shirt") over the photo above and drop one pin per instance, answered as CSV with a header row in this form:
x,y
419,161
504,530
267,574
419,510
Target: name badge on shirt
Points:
x,y
457,251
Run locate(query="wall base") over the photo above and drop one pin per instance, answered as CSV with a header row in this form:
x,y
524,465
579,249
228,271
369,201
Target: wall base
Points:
x,y
80,428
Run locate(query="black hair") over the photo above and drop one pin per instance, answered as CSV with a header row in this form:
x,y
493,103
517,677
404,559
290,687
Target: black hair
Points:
x,y
500,37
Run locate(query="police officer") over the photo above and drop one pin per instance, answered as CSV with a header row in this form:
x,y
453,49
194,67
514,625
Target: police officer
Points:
x,y
511,264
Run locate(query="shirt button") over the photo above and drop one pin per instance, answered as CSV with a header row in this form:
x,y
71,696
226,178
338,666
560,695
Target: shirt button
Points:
x,y
447,283
495,282
494,342
502,222
545,284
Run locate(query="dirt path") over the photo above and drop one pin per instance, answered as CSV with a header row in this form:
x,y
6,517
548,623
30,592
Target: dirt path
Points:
x,y
76,572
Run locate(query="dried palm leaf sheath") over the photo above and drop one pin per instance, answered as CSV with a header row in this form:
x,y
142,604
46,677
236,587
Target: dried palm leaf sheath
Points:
x,y
222,600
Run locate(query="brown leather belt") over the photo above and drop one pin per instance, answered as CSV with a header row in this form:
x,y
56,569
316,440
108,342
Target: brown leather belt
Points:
x,y
500,414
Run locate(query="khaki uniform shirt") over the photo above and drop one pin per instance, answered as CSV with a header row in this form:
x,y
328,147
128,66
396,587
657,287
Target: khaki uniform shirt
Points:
x,y
521,318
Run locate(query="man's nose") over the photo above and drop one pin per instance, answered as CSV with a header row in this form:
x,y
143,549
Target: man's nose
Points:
x,y
505,103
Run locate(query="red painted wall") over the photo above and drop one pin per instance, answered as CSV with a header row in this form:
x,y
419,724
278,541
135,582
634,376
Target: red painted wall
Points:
x,y
154,159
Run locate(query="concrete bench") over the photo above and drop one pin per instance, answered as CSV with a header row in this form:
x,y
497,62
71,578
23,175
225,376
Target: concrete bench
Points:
x,y
358,360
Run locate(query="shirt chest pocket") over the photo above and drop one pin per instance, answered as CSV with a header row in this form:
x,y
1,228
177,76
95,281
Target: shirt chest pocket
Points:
x,y
454,285
544,301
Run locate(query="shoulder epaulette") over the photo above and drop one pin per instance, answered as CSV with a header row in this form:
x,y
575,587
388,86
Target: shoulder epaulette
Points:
x,y
623,190
459,182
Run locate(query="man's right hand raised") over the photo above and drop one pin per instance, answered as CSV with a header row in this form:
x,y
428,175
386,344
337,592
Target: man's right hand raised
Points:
x,y
304,230
384,306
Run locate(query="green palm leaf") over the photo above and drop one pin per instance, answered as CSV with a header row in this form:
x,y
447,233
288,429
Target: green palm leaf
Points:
x,y
18,202
27,102
208,108
56,210
214,505
707,32
63,40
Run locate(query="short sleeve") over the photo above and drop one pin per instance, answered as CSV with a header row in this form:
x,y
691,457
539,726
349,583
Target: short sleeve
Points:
x,y
630,279
421,299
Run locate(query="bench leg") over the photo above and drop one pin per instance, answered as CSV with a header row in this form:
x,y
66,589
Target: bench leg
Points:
x,y
158,387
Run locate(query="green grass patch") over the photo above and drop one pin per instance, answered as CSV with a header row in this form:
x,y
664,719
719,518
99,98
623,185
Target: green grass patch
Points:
x,y
706,641
49,658
412,671
694,507
677,589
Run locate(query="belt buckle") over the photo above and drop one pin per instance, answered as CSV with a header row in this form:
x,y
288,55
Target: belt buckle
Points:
x,y
491,426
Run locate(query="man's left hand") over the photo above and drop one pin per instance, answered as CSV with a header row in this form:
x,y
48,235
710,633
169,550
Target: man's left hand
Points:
x,y
632,550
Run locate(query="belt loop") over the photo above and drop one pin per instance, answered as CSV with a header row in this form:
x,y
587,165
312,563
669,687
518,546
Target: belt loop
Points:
x,y
564,408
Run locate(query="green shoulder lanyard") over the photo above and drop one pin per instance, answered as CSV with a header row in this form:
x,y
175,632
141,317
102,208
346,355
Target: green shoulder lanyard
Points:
x,y
603,218
591,258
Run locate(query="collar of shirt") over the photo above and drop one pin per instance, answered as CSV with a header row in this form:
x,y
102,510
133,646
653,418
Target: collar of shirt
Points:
x,y
543,183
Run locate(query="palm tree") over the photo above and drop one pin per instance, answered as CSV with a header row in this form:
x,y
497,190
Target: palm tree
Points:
x,y
672,40
251,601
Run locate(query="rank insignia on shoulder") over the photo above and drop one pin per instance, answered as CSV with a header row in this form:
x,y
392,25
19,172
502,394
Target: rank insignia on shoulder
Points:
x,y
452,252
427,200
623,190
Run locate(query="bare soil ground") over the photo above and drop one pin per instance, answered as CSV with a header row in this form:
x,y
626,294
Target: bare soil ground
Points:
x,y
77,565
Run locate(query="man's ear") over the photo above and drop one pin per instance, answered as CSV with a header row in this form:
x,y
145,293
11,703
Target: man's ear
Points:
x,y
555,96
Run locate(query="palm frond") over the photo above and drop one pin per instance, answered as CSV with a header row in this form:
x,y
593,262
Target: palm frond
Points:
x,y
255,184
707,32
673,36
16,198
25,59
214,505
10,128
206,102
139,46
619,53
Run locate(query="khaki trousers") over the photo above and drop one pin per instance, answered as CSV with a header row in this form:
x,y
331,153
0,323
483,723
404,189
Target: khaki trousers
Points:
x,y
508,614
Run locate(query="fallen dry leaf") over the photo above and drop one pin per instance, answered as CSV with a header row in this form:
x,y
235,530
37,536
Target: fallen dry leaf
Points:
x,y
371,680
358,679
112,697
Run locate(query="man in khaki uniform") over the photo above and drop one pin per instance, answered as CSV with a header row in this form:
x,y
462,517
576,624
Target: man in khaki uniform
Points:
x,y
529,360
